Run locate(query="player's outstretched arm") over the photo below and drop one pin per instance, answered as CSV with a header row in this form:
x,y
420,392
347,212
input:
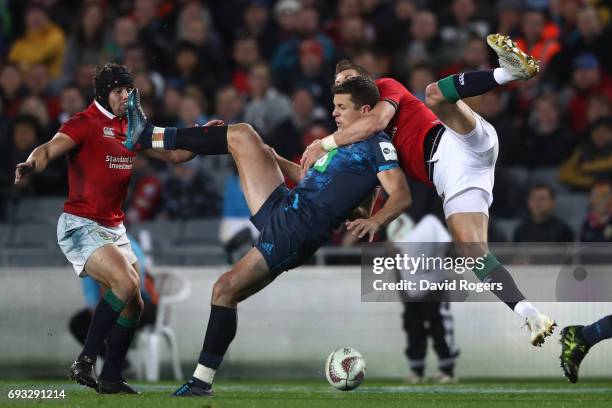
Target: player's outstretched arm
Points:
x,y
395,184
371,123
41,156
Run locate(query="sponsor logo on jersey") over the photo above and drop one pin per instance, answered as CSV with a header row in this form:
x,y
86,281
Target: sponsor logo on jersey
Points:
x,y
120,162
388,150
462,79
108,132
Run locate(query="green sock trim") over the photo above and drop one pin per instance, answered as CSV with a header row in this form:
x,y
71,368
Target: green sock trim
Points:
x,y
489,263
127,322
448,89
115,303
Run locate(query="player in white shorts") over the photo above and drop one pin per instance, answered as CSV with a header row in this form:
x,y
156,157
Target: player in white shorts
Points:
x,y
449,146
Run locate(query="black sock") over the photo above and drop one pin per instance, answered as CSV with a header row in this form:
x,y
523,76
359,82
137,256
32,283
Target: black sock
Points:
x,y
494,272
220,332
108,310
420,371
448,370
467,84
208,140
117,344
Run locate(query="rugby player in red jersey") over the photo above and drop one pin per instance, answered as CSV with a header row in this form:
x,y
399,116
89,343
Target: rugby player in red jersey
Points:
x,y
90,231
445,144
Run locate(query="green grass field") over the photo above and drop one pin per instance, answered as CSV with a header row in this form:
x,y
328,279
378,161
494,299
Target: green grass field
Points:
x,y
314,394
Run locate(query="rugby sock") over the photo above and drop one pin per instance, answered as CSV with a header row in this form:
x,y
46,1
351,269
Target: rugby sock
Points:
x,y
466,84
598,331
494,272
209,140
108,310
220,332
525,309
117,344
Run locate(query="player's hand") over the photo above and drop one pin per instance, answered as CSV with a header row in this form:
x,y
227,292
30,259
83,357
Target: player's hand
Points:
x,y
23,170
362,227
313,152
214,122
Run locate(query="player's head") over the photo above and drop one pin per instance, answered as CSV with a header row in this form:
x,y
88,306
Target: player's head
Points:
x,y
112,83
346,69
353,98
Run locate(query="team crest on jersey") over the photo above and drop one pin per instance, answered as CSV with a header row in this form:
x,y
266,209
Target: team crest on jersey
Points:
x,y
388,150
108,132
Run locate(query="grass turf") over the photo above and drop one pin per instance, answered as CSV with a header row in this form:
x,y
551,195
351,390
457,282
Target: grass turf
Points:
x,y
314,394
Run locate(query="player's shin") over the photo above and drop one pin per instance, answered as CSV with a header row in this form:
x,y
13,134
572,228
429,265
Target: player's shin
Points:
x,y
117,344
598,331
209,140
220,332
106,313
494,272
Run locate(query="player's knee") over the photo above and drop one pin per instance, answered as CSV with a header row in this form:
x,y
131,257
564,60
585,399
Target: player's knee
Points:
x,y
241,134
433,95
136,305
126,286
223,291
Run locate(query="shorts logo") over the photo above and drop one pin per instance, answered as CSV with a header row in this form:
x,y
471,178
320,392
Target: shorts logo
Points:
x,y
388,150
268,247
462,79
108,132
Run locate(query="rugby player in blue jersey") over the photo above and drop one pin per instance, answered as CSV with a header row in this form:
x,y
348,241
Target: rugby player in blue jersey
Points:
x,y
293,223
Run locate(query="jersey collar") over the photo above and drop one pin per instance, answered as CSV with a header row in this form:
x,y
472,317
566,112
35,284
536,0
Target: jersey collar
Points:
x,y
104,111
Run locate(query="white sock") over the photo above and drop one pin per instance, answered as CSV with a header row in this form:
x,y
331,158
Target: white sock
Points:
x,y
502,76
158,138
525,309
204,373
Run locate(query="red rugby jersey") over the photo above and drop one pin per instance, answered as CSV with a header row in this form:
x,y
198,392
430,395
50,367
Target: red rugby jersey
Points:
x,y
100,167
408,128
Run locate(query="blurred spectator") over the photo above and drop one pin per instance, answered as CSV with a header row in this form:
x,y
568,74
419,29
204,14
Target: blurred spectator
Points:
x,y
592,161
587,81
245,55
267,108
286,138
125,33
312,73
396,30
597,226
43,42
541,225
85,73
12,89
136,62
286,15
598,106
355,34
228,105
145,194
36,107
426,45
153,34
170,108
286,58
39,84
590,36
509,14
189,193
546,141
420,76
463,23
191,111
86,41
71,102
539,36
475,57
256,24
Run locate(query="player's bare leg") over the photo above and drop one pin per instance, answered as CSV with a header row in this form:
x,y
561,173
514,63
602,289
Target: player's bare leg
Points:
x,y
109,267
247,277
257,167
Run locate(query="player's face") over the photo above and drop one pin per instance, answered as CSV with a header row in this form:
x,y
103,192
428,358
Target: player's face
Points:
x,y
117,99
344,75
345,112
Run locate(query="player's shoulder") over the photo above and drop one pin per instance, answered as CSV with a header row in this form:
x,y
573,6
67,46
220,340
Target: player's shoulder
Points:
x,y
387,82
82,116
380,137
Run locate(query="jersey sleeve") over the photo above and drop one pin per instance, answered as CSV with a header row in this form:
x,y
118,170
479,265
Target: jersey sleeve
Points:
x,y
390,91
385,155
75,128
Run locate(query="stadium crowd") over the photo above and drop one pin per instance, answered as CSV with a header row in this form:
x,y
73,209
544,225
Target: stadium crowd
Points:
x,y
271,64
